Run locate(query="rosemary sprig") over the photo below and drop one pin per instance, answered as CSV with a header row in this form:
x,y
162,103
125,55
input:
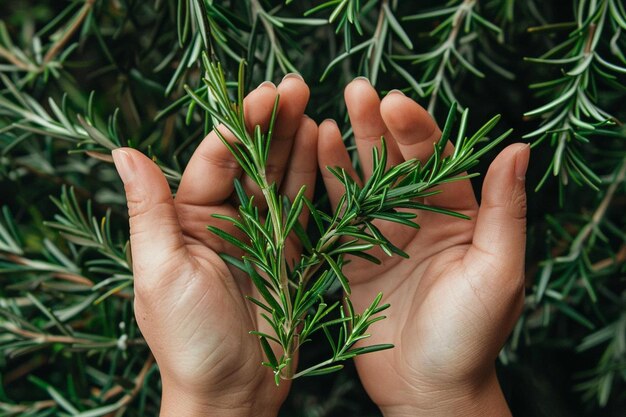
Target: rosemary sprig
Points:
x,y
349,15
292,295
35,62
572,116
459,27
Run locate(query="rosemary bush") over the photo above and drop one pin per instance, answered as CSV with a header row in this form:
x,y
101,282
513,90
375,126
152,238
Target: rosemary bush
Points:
x,y
80,78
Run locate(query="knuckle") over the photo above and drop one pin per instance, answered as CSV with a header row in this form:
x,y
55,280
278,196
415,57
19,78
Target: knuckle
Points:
x,y
514,204
303,169
274,169
222,159
140,210
371,139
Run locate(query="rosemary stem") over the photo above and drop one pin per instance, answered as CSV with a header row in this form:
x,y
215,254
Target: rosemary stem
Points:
x,y
13,59
459,15
59,44
259,13
283,278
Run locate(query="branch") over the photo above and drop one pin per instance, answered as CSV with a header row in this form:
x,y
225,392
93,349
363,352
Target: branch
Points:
x,y
6,54
597,217
42,338
619,257
139,380
459,15
59,44
39,405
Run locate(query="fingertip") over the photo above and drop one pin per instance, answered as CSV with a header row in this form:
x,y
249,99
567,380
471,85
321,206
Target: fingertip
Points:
x,y
511,160
123,161
360,95
408,121
329,126
294,82
258,105
505,180
131,163
515,148
307,134
294,95
293,75
504,186
266,85
309,124
127,152
360,79
328,137
522,159
396,92
394,102
120,150
332,152
358,90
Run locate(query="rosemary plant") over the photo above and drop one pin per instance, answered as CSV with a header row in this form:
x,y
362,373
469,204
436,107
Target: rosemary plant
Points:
x,y
79,78
456,32
349,15
572,115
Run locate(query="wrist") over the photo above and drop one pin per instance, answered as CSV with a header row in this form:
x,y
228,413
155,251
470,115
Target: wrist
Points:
x,y
179,403
484,399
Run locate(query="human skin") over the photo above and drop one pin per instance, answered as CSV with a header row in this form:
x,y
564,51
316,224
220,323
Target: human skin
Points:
x,y
189,304
458,296
453,302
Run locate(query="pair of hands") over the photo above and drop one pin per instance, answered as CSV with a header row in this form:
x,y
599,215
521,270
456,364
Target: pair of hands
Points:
x,y
454,301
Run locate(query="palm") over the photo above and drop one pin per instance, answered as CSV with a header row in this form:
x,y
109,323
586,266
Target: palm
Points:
x,y
206,306
214,300
445,313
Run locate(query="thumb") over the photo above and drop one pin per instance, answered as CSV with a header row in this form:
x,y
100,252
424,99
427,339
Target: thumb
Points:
x,y
155,234
499,241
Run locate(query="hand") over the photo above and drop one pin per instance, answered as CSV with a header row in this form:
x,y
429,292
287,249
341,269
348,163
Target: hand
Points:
x,y
456,299
189,304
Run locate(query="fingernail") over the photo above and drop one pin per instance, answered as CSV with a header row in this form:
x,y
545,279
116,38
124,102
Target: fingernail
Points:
x,y
330,120
293,75
522,158
267,84
395,91
124,164
361,78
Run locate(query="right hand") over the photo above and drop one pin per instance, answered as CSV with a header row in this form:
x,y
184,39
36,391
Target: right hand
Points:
x,y
189,304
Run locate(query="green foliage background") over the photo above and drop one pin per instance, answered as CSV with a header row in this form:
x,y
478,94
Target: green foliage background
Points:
x,y
81,77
